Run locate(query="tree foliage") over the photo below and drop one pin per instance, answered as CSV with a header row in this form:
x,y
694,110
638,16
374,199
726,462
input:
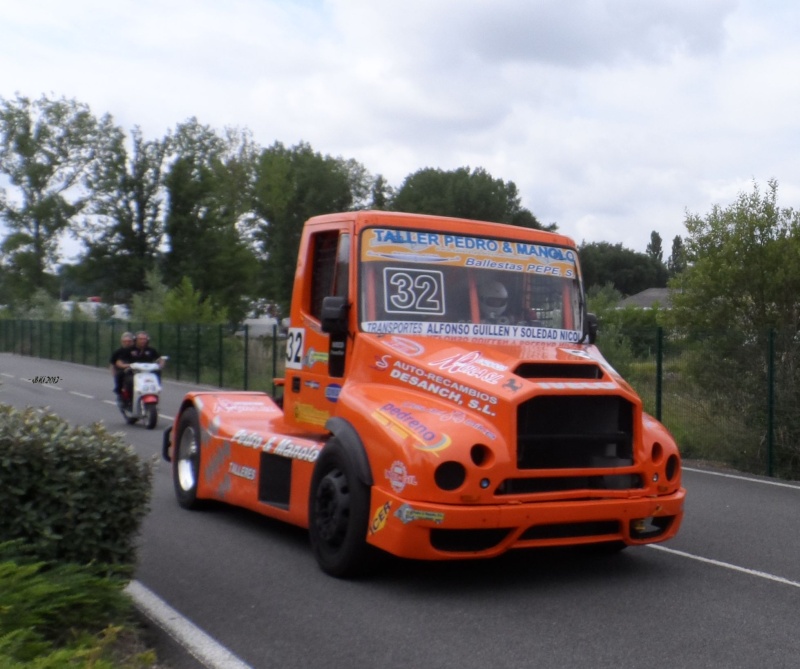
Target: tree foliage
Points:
x,y
291,185
124,233
744,266
738,299
676,262
209,186
464,193
47,148
627,271
655,248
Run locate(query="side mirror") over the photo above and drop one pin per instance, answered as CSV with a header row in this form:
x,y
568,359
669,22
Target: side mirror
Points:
x,y
590,328
334,314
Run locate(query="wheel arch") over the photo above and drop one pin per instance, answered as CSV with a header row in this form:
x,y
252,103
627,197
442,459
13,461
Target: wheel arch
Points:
x,y
347,435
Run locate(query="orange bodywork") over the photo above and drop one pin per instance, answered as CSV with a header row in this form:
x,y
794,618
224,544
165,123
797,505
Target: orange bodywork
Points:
x,y
483,438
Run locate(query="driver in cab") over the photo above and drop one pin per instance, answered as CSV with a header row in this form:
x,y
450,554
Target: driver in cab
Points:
x,y
493,301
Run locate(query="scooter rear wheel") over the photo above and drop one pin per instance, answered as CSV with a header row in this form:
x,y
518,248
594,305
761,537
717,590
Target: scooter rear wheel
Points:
x,y
151,416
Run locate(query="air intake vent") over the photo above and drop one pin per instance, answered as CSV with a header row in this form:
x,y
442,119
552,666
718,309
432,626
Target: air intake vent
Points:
x,y
555,370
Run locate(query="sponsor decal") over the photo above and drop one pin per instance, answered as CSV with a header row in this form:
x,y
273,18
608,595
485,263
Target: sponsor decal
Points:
x,y
471,364
379,518
513,385
381,362
308,413
454,416
407,426
217,461
295,449
314,385
313,357
226,405
399,477
473,330
332,392
242,471
405,346
441,386
249,439
407,514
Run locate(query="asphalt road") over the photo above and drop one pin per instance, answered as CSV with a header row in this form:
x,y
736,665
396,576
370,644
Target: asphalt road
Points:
x,y
724,593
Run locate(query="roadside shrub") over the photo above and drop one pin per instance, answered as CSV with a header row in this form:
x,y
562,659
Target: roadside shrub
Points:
x,y
64,615
71,494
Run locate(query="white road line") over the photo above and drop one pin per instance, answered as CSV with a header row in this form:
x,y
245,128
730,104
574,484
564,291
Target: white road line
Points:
x,y
8,376
727,565
739,477
75,392
212,654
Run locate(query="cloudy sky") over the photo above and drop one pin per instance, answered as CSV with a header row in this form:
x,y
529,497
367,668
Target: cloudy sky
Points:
x,y
613,117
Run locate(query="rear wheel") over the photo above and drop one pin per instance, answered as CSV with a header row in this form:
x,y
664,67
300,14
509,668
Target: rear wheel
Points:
x,y
186,460
151,415
338,514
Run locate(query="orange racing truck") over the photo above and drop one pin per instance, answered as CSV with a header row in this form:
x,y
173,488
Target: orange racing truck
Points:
x,y
443,399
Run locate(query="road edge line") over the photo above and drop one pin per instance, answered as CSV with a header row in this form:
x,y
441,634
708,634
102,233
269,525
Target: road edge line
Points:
x,y
203,647
727,565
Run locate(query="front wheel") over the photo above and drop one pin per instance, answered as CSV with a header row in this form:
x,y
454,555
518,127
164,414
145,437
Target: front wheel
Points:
x,y
338,514
186,460
151,415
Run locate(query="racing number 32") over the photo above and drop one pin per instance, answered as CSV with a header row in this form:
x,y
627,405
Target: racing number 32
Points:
x,y
294,348
412,291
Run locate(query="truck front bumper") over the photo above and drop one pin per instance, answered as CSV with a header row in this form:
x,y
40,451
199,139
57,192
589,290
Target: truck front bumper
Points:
x,y
427,531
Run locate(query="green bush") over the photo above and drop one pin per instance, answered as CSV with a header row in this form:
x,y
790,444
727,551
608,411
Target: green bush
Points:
x,y
64,615
71,494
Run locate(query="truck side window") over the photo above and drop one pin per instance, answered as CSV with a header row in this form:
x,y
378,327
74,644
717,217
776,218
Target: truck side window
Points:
x,y
329,267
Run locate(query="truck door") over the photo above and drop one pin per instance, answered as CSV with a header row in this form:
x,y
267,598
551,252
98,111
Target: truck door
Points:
x,y
316,362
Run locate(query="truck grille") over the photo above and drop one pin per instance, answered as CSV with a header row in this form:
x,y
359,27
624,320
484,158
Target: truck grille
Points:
x,y
574,432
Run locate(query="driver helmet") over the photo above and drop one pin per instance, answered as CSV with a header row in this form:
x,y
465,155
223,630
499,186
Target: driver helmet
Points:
x,y
493,298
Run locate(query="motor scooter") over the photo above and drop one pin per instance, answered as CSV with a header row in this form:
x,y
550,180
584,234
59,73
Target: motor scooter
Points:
x,y
139,400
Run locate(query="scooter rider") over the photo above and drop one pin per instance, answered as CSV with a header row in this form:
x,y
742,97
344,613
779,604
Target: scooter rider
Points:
x,y
141,352
120,358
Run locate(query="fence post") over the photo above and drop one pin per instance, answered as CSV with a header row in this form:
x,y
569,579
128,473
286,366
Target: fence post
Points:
x,y
178,352
246,352
659,369
770,399
274,357
197,353
220,355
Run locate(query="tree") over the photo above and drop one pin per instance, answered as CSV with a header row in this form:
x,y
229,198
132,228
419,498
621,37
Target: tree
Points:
x,y
124,235
210,214
740,289
293,184
47,148
744,266
654,249
463,193
180,305
677,259
626,270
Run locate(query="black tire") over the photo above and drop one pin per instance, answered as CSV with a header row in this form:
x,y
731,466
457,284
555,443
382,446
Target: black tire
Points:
x,y
186,460
151,416
338,512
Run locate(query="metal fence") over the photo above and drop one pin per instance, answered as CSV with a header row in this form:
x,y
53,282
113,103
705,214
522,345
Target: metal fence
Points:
x,y
726,398
202,354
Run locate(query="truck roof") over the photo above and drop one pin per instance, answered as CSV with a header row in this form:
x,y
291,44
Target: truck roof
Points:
x,y
375,218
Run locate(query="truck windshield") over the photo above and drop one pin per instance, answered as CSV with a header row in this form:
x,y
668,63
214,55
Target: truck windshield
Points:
x,y
436,284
